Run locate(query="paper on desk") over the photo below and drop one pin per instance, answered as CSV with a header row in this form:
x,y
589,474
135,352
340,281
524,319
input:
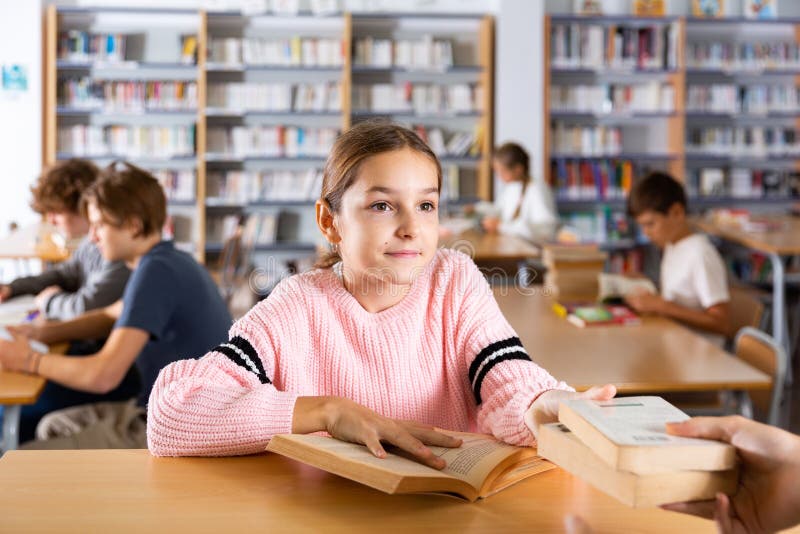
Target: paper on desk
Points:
x,y
15,311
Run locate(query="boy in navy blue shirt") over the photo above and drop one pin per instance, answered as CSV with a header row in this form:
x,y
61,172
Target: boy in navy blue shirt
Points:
x,y
170,310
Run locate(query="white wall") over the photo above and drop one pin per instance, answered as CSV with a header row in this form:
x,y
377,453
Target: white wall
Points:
x,y
20,111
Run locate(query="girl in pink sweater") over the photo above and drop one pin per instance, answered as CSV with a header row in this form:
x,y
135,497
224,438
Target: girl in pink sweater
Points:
x,y
387,340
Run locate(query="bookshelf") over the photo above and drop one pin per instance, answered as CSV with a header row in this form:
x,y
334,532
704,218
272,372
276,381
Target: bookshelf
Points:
x,y
299,75
716,107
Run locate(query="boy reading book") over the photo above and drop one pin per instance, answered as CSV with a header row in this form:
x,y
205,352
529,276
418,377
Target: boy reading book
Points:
x,y
694,286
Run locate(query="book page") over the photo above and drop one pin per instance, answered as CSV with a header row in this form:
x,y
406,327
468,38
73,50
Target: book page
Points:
x,y
614,285
15,311
635,421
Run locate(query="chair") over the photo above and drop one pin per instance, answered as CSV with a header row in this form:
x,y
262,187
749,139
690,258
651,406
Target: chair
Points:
x,y
746,309
761,351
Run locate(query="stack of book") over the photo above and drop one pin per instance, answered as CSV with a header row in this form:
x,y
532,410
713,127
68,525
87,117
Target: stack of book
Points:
x,y
271,141
575,140
572,271
621,447
283,97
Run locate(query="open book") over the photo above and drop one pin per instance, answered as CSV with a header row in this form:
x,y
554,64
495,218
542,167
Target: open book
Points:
x,y
613,287
583,315
481,467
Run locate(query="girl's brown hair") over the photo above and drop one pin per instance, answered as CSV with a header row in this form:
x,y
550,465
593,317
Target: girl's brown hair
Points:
x,y
509,155
125,192
362,141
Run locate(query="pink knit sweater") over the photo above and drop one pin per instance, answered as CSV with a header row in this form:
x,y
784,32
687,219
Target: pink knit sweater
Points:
x,y
444,355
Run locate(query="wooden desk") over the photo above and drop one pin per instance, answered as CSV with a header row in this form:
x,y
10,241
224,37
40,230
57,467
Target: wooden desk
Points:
x,y
486,247
776,245
130,491
17,389
32,242
657,356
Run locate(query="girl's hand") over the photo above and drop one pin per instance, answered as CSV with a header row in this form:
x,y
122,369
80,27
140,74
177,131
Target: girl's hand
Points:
x,y
349,421
545,408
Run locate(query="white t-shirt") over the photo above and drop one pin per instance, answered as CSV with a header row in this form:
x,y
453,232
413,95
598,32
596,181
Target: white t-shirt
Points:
x,y
537,218
694,276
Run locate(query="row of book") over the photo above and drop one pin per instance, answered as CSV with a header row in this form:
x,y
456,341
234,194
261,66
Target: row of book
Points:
x,y
271,141
743,55
257,228
423,53
752,99
592,180
447,143
419,98
586,140
276,96
245,187
127,141
603,225
743,141
179,185
743,183
592,46
126,96
626,261
293,51
613,98
76,45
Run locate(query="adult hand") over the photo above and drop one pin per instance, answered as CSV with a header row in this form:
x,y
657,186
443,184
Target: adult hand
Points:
x,y
545,408
768,496
349,421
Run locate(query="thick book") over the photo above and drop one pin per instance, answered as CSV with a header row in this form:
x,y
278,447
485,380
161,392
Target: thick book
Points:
x,y
613,287
583,315
559,445
629,434
481,467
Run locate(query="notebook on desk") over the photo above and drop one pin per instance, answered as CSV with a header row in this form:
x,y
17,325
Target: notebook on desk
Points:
x,y
16,310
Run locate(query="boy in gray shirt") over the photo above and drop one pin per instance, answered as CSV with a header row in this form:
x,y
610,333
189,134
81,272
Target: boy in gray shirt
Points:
x,y
85,281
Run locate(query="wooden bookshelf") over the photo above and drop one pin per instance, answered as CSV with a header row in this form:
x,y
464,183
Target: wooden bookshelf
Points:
x,y
206,161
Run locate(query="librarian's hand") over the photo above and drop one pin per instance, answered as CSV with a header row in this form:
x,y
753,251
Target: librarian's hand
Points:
x,y
768,496
5,293
545,408
349,421
644,302
491,224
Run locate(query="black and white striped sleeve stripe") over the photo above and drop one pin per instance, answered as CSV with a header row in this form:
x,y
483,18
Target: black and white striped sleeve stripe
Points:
x,y
241,352
499,351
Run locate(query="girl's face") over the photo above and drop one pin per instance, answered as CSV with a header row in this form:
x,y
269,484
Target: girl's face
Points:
x,y
388,224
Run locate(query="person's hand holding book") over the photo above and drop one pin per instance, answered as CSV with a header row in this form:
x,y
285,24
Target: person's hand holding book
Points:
x,y
349,421
545,408
768,496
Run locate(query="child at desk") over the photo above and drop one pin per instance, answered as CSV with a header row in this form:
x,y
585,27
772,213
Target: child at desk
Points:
x,y
388,338
171,309
526,206
85,281
694,287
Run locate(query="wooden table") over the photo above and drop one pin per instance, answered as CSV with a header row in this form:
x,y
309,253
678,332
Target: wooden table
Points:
x,y
130,491
488,247
776,245
657,356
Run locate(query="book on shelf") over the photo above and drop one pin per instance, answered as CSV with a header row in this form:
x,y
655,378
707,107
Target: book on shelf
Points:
x,y
649,8
189,49
755,55
626,261
177,185
127,141
708,8
271,141
743,183
761,9
481,467
744,141
82,46
601,99
602,225
419,98
583,314
592,180
294,51
566,450
595,46
126,96
243,187
450,143
744,99
279,97
423,53
583,140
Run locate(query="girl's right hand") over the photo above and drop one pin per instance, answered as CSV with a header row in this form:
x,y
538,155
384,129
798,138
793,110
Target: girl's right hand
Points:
x,y
349,421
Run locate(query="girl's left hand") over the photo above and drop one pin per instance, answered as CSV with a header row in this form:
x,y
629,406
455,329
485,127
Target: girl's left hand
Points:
x,y
545,408
14,354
